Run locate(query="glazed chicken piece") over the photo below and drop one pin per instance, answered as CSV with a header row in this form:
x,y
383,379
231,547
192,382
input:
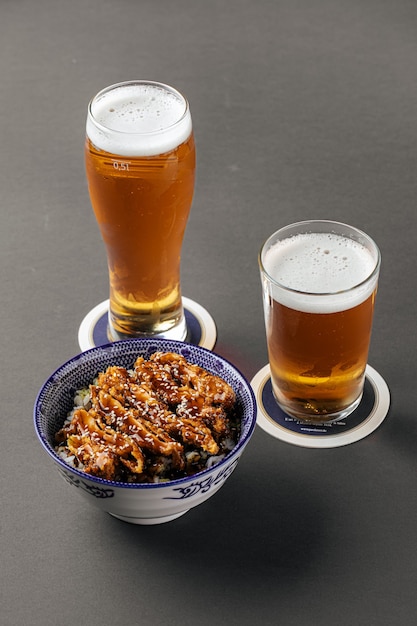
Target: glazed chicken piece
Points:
x,y
100,451
189,431
115,381
134,424
172,377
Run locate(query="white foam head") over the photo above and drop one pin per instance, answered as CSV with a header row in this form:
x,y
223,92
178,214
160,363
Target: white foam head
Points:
x,y
320,272
138,118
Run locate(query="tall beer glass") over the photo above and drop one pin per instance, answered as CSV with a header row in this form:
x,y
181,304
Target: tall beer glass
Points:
x,y
319,281
140,164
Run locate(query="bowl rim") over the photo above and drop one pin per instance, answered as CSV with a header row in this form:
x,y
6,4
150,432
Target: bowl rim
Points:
x,y
110,347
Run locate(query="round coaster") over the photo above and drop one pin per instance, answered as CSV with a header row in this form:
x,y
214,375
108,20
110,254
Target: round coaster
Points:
x,y
370,413
201,326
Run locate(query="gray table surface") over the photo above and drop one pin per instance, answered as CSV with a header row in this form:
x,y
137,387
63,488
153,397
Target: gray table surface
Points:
x,y
301,109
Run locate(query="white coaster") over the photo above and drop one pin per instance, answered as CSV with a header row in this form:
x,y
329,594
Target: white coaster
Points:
x,y
201,327
370,413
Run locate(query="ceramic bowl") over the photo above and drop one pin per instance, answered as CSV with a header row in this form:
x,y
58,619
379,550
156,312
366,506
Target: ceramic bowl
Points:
x,y
139,503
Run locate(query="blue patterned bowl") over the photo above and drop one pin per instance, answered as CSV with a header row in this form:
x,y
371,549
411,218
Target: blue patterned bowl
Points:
x,y
139,503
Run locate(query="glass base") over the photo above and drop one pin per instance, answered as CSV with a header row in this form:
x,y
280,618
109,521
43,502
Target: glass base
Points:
x,y
201,327
369,415
179,332
317,419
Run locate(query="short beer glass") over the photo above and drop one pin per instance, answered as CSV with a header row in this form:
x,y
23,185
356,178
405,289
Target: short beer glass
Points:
x,y
319,282
140,165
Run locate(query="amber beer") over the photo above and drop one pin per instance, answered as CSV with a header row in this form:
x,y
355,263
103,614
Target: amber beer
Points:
x,y
140,164
319,284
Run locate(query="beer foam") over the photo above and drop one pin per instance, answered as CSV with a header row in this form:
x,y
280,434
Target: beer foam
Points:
x,y
320,272
138,119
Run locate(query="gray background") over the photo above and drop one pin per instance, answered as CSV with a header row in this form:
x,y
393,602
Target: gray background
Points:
x,y
301,109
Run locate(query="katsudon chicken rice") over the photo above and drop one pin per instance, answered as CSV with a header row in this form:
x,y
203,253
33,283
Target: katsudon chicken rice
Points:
x,y
163,419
